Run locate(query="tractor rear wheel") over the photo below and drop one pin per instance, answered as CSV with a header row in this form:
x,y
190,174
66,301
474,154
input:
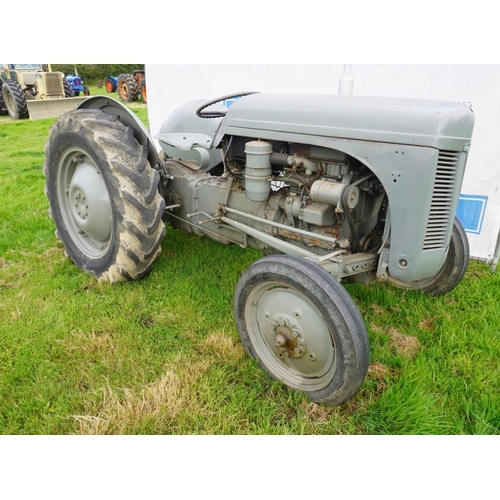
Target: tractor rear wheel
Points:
x,y
103,196
69,91
3,109
110,85
453,269
302,327
127,88
142,91
15,100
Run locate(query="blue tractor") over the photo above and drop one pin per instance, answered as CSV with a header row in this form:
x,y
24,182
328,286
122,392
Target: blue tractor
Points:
x,y
77,84
111,83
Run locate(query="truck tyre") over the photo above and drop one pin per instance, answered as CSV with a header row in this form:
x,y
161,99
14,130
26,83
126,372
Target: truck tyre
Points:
x,y
15,100
69,91
127,88
302,327
453,269
103,196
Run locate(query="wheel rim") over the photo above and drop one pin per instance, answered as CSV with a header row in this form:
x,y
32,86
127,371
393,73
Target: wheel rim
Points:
x,y
290,336
124,90
85,203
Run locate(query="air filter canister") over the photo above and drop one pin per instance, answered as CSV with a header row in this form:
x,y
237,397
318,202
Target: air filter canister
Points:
x,y
258,170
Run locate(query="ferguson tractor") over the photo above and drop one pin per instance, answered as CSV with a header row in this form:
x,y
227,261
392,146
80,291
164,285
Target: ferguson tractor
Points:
x,y
330,188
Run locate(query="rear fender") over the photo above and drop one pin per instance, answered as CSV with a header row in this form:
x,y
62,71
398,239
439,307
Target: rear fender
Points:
x,y
113,107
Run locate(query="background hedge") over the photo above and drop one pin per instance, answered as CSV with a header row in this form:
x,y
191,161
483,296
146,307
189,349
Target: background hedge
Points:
x,y
93,73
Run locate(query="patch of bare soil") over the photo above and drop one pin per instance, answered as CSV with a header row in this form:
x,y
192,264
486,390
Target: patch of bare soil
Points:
x,y
406,345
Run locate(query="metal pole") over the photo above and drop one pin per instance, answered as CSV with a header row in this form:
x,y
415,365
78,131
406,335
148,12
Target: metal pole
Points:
x,y
496,255
346,82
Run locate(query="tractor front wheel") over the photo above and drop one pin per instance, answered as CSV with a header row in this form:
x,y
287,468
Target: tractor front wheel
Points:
x,y
103,196
453,269
302,327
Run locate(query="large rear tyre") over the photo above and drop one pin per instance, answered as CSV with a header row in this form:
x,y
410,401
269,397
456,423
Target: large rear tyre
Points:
x,y
127,88
110,85
143,92
15,100
302,327
453,269
69,91
103,196
3,109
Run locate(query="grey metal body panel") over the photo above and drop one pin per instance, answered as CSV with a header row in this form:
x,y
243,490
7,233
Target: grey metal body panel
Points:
x,y
399,140
183,131
418,122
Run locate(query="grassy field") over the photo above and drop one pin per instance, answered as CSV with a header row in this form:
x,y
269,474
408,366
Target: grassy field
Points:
x,y
162,355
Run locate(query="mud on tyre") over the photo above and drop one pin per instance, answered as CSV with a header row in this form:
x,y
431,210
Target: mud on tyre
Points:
x,y
103,196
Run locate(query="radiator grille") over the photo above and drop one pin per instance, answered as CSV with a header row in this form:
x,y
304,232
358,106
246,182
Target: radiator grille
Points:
x,y
442,200
53,83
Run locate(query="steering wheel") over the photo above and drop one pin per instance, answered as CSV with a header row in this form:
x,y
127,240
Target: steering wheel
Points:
x,y
218,114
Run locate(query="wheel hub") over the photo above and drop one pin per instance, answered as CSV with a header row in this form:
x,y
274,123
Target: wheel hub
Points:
x,y
287,338
81,204
290,335
89,202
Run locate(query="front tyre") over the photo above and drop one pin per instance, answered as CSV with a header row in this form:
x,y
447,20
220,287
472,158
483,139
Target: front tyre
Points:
x,y
453,269
302,327
103,196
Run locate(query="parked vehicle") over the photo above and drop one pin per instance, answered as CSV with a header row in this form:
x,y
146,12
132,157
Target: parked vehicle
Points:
x,y
131,86
77,84
34,91
111,84
331,189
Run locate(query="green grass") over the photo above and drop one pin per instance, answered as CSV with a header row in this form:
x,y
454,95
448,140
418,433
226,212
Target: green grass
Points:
x,y
162,355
